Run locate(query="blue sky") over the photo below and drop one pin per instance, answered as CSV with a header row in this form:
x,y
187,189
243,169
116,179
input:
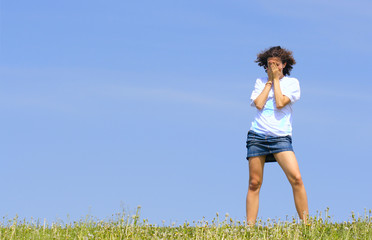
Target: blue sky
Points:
x,y
113,104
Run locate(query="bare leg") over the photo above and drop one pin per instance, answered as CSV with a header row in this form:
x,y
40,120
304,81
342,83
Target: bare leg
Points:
x,y
256,166
288,162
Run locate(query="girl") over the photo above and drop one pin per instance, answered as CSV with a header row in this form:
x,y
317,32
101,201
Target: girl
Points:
x,y
269,138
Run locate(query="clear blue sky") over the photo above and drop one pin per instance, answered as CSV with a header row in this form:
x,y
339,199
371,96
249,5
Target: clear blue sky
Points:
x,y
112,104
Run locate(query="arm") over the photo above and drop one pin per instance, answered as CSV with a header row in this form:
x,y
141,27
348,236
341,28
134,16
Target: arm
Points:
x,y
260,101
280,99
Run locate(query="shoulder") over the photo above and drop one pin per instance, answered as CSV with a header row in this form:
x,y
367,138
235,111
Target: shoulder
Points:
x,y
261,80
291,80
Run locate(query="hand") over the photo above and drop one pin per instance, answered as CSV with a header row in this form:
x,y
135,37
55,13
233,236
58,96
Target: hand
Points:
x,y
274,71
269,74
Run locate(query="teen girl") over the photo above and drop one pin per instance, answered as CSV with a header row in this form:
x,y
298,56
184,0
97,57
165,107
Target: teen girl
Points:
x,y
269,138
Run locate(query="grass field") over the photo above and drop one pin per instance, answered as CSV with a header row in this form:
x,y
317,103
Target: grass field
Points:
x,y
123,226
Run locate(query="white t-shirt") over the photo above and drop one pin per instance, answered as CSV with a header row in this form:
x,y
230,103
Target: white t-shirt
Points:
x,y
271,120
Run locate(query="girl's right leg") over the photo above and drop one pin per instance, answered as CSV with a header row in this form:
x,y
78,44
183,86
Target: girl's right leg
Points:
x,y
256,167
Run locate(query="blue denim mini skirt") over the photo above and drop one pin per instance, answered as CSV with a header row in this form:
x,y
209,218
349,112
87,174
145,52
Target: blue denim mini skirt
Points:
x,y
260,144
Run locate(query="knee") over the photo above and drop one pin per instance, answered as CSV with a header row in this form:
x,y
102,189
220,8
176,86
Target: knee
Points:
x,y
255,184
296,181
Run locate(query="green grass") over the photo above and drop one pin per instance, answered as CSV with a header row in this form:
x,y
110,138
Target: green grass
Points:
x,y
131,227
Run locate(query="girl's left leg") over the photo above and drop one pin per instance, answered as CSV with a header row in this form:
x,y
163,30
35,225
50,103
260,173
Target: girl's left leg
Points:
x,y
288,162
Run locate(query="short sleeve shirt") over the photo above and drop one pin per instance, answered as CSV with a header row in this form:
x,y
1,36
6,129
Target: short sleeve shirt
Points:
x,y
270,120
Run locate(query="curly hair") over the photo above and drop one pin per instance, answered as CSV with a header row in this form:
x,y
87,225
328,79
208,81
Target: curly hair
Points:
x,y
284,54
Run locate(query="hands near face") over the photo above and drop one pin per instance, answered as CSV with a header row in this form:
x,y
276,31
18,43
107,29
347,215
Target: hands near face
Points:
x,y
273,71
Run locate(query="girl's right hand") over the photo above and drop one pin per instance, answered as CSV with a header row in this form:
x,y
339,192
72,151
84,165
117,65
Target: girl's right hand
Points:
x,y
270,74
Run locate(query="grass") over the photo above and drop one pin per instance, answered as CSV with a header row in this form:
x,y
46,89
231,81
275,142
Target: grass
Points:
x,y
131,227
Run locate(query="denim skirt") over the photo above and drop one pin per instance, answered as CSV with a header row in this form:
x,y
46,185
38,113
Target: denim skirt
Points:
x,y
261,144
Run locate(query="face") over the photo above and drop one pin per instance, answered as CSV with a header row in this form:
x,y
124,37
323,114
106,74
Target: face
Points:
x,y
277,61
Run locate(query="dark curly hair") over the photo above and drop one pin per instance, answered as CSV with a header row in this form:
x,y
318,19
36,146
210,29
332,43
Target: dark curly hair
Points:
x,y
284,54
